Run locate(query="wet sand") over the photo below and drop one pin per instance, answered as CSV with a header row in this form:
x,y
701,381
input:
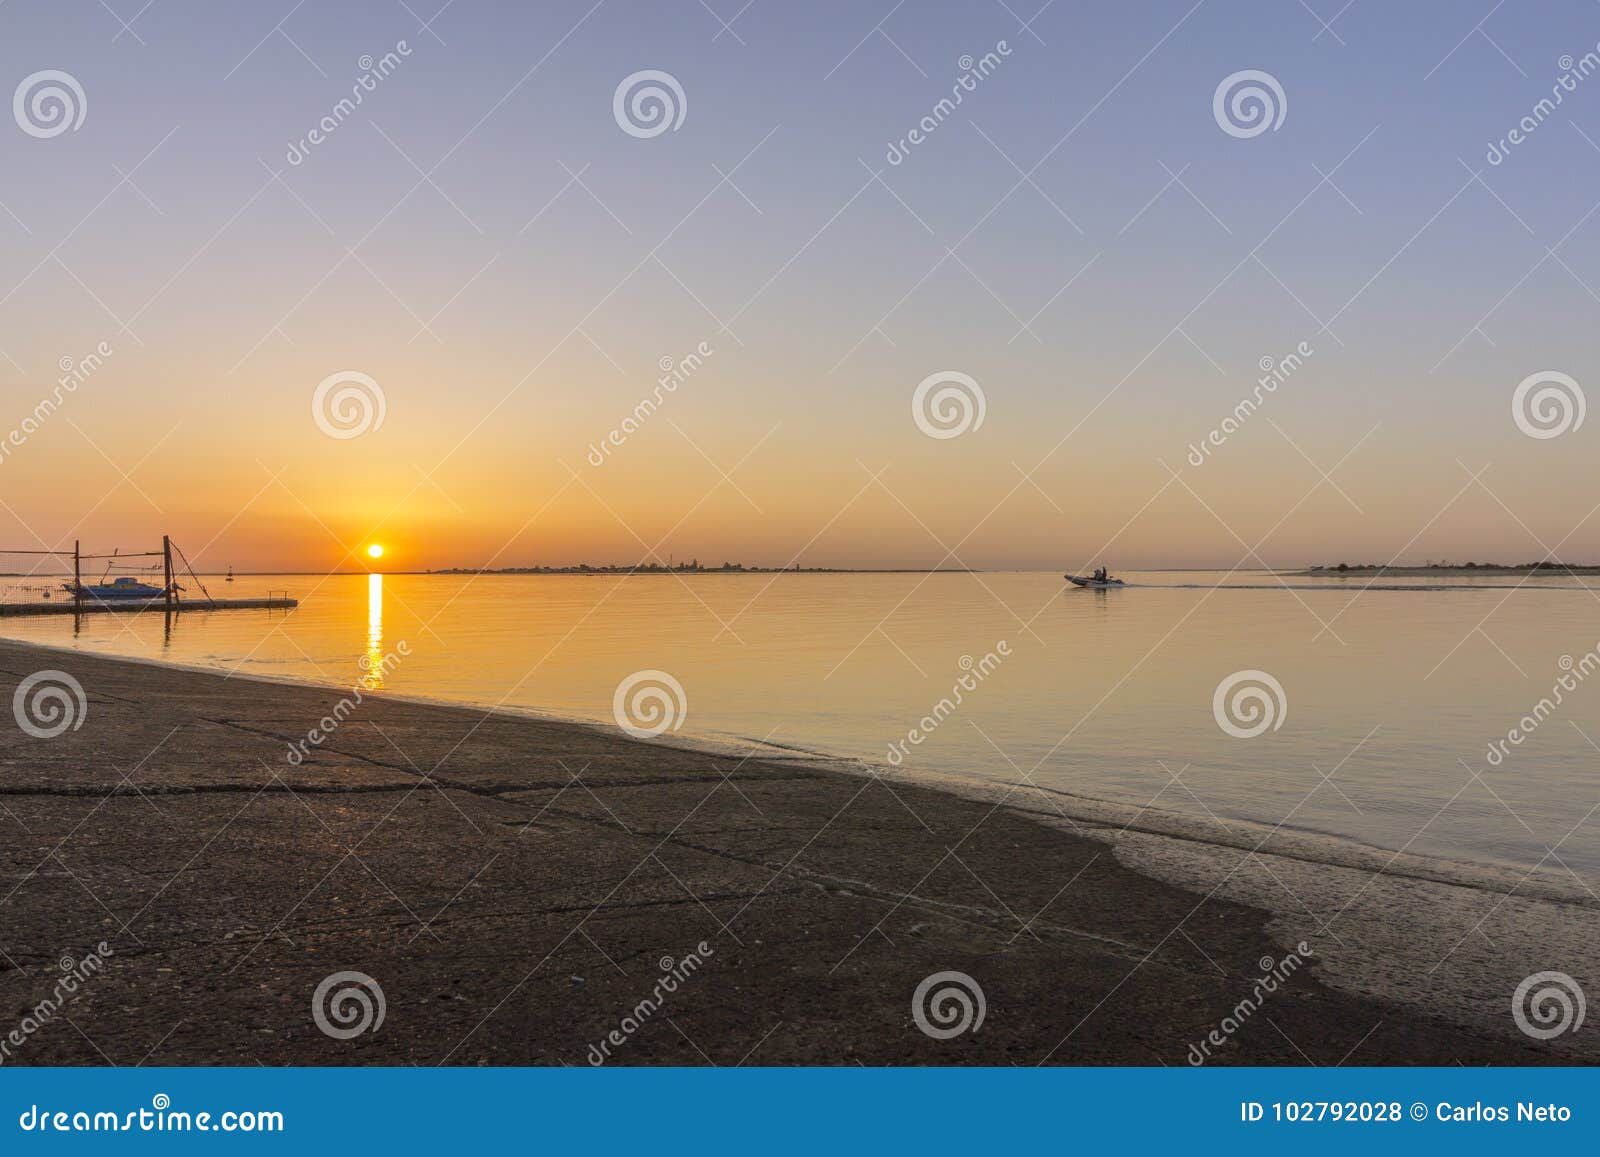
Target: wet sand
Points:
x,y
513,886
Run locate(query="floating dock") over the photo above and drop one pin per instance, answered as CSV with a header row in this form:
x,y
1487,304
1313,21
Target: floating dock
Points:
x,y
82,600
67,606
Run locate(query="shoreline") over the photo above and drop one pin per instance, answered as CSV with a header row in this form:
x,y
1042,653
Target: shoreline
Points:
x,y
1575,571
849,881
1314,845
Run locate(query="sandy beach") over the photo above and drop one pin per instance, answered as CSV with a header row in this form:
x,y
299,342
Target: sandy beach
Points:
x,y
518,886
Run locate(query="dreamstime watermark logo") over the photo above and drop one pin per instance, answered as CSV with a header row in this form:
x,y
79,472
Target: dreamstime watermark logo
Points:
x,y
74,372
347,1004
348,404
948,404
1274,372
1574,672
673,974
674,372
1249,702
974,673
1249,102
373,673
48,103
649,703
372,71
1548,404
73,973
972,71
648,103
160,1117
1572,71
948,1004
49,703
1547,1004
1273,974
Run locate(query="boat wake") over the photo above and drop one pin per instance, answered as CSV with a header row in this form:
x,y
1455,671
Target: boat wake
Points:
x,y
1356,588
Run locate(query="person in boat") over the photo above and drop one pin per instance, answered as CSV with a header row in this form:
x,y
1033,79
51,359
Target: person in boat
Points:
x,y
1100,574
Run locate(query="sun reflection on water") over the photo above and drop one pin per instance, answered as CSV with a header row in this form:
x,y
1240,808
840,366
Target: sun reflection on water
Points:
x,y
373,660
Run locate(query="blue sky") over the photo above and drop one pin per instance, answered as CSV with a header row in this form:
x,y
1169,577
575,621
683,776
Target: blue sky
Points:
x,y
1120,266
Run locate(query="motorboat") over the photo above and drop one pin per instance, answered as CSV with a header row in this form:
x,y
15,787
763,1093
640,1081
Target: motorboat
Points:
x,y
1093,583
118,590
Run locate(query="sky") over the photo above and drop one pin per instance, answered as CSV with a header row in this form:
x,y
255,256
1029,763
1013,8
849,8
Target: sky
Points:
x,y
1088,243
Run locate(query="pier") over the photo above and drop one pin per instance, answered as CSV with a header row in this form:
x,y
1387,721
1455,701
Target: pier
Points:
x,y
70,606
103,598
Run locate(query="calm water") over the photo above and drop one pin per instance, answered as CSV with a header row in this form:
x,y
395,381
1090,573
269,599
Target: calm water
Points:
x,y
1106,694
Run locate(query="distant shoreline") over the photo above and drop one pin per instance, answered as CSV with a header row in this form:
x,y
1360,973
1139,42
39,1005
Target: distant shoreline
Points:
x,y
572,570
1467,569
1493,569
663,570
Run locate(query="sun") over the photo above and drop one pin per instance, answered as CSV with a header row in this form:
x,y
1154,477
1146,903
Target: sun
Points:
x,y
375,551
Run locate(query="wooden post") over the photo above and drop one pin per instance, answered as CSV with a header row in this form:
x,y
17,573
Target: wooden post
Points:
x,y
77,578
166,559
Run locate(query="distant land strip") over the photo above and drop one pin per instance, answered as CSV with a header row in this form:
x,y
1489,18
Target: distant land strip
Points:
x,y
1468,568
696,568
